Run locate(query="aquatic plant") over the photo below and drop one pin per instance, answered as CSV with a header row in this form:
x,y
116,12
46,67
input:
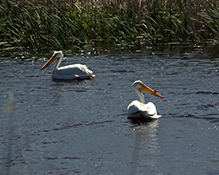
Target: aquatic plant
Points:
x,y
52,24
211,23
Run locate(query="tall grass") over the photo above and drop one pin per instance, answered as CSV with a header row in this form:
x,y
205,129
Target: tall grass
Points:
x,y
55,24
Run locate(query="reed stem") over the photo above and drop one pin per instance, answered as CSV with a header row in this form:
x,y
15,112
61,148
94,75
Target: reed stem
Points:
x,y
54,24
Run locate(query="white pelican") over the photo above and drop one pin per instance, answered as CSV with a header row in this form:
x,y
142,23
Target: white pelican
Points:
x,y
138,109
74,71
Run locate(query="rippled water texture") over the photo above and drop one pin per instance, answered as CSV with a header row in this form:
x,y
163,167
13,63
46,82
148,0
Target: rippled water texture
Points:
x,y
81,127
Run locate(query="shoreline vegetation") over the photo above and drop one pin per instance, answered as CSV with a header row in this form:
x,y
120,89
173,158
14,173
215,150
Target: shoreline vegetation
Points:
x,y
41,25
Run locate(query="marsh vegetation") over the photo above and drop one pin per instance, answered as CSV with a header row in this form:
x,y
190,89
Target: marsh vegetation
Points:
x,y
54,24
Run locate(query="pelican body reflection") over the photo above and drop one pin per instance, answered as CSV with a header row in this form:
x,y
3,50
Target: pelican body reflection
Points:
x,y
145,145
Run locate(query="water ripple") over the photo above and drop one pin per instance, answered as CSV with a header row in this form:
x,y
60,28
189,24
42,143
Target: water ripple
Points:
x,y
202,117
207,93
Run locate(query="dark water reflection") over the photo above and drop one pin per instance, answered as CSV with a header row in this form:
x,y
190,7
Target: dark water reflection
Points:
x,y
81,127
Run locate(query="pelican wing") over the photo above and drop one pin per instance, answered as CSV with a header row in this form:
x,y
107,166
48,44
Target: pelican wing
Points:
x,y
152,111
135,107
148,110
72,72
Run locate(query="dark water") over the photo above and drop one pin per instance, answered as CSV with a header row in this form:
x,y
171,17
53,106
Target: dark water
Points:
x,y
81,127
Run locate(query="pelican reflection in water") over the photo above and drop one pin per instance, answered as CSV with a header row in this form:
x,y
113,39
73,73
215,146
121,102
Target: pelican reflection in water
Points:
x,y
145,147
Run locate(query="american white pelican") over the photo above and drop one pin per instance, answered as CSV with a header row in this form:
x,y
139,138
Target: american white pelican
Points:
x,y
138,109
74,71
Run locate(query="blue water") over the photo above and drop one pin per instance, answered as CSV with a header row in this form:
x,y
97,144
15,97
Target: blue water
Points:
x,y
81,127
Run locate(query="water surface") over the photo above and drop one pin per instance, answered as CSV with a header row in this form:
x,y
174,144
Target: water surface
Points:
x,y
81,127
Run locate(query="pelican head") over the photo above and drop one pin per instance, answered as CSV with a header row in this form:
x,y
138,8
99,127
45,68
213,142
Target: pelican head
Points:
x,y
56,55
138,85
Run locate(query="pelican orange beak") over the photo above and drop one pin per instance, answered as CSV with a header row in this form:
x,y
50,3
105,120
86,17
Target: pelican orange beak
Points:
x,y
148,90
51,60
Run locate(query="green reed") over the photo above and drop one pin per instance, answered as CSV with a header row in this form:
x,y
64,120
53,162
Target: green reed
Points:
x,y
211,23
53,24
